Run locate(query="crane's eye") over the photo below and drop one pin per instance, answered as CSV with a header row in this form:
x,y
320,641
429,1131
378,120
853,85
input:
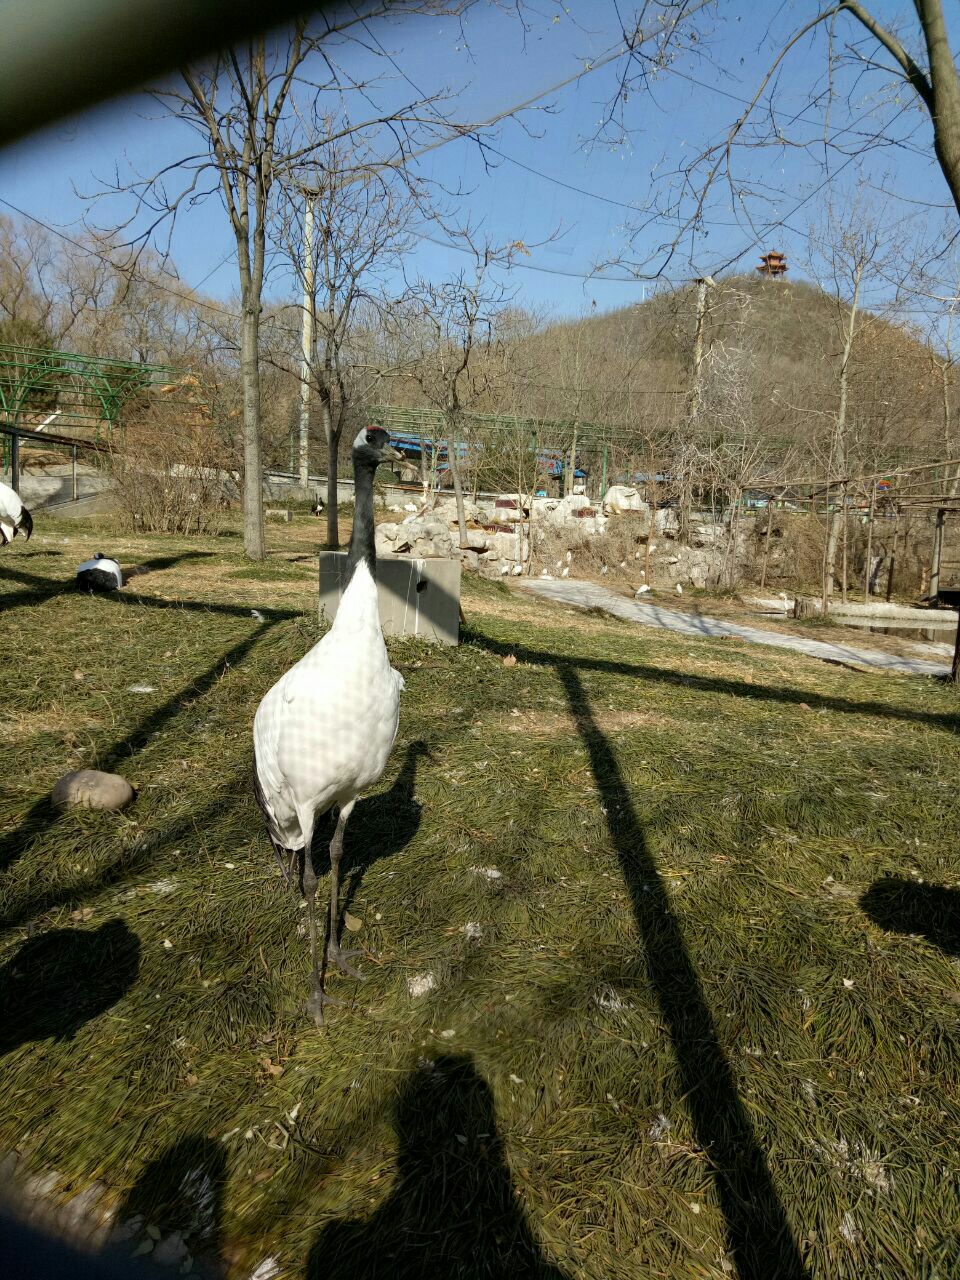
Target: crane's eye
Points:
x,y
371,437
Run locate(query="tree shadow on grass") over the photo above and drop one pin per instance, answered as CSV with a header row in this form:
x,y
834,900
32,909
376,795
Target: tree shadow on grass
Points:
x,y
452,1213
904,906
948,720
43,814
41,588
759,1234
60,980
181,1192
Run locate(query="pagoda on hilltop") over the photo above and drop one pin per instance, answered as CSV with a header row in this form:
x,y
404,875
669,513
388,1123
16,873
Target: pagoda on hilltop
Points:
x,y
773,265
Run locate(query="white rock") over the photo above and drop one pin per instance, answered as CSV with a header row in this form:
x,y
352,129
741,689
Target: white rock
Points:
x,y
472,931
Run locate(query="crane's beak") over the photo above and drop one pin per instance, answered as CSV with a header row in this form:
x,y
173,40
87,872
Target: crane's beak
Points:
x,y
390,454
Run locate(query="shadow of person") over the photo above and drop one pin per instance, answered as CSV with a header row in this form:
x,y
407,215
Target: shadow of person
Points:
x,y
452,1214
61,979
904,906
181,1192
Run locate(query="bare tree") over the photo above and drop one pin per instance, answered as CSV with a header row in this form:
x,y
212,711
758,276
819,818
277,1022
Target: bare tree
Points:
x,y
259,114
344,225
860,47
849,251
445,326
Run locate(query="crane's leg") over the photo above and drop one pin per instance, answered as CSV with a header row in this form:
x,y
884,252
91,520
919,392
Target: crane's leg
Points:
x,y
318,997
334,954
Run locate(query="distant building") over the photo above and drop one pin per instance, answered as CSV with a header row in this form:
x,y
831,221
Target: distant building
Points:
x,y
773,265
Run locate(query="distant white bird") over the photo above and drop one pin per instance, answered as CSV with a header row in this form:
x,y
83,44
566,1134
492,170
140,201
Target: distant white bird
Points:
x,y
323,734
642,590
318,507
679,589
569,557
504,568
565,573
517,570
14,516
99,574
603,569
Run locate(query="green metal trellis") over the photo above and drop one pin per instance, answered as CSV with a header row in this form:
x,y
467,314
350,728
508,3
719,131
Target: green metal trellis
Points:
x,y
83,394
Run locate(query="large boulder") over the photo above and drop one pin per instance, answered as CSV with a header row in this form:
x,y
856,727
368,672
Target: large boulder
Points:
x,y
623,497
91,789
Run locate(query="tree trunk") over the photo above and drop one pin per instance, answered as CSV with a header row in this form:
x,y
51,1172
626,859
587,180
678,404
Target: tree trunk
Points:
x,y
573,462
333,454
869,555
830,566
937,554
893,555
253,541
457,486
945,108
843,561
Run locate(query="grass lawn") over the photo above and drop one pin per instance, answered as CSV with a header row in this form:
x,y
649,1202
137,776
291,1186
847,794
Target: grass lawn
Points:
x,y
689,910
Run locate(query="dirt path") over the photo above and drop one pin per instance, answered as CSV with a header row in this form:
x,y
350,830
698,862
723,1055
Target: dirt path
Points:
x,y
587,595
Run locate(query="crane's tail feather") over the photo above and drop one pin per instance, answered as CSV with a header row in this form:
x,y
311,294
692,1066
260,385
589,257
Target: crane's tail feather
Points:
x,y
26,521
262,805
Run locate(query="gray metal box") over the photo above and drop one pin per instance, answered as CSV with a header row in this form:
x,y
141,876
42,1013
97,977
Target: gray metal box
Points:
x,y
417,597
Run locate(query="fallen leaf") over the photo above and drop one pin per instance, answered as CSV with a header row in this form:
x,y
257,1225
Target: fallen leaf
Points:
x,y
804,706
78,675
83,914
191,1079
848,983
352,923
509,660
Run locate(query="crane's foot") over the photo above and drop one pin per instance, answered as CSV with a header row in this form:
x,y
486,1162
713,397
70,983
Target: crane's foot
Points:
x,y
317,1002
336,955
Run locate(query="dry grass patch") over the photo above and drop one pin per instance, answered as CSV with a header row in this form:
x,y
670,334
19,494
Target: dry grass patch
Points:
x,y
693,967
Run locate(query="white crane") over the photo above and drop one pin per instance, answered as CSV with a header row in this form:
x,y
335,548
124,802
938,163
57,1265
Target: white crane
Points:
x,y
323,734
14,516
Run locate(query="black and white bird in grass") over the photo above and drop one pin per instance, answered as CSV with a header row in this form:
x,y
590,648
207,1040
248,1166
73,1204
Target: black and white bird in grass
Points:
x,y
14,516
323,734
99,574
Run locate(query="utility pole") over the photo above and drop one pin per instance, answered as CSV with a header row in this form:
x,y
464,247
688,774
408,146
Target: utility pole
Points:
x,y
306,346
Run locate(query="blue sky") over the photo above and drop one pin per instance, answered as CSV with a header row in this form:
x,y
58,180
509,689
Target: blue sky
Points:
x,y
495,67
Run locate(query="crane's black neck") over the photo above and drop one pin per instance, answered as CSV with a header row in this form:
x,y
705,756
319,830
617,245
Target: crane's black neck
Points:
x,y
362,545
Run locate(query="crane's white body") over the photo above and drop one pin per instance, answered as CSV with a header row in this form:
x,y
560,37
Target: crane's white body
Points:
x,y
323,734
11,513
